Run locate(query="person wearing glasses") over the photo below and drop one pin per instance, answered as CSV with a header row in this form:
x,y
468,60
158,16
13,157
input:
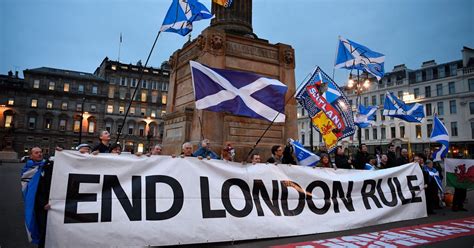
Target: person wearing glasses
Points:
x,y
277,155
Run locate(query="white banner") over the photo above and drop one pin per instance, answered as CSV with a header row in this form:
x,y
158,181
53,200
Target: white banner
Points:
x,y
120,200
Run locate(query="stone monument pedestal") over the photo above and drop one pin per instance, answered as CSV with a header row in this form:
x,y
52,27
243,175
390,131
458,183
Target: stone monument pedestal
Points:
x,y
219,49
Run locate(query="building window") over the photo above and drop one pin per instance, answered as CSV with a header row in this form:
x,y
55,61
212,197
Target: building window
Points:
x,y
153,114
8,120
429,109
79,107
133,82
51,86
441,72
143,96
49,104
144,84
34,103
64,105
366,131
62,125
374,100
440,108
429,74
141,132
91,128
383,134
111,92
110,109
471,85
416,92
163,99
429,129
47,123
452,107
93,108
392,132
143,111
77,126
163,112
94,90
121,109
418,76
108,126
382,99
32,122
402,132
11,102
80,89
130,129
374,133
471,108
302,138
454,129
36,84
122,93
427,91
132,111
66,87
472,130
113,67
452,88
140,147
123,81
439,90
452,69
400,95
418,131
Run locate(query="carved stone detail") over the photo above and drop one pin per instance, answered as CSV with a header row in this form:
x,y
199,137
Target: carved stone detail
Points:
x,y
172,62
288,57
217,43
201,42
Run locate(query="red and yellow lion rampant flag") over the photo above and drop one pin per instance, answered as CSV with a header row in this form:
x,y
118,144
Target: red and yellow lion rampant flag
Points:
x,y
225,3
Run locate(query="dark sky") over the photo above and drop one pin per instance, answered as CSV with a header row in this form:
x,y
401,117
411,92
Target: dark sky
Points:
x,y
78,34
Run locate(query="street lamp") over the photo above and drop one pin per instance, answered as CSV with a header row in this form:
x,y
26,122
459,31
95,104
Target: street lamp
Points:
x,y
359,84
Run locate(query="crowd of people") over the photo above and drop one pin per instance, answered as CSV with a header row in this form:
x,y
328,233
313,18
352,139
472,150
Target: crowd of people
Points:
x,y
36,175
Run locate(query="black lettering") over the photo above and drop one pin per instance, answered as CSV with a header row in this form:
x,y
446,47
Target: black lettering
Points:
x,y
225,195
133,209
347,200
73,197
413,188
309,197
371,194
284,198
259,189
384,200
178,197
400,192
207,212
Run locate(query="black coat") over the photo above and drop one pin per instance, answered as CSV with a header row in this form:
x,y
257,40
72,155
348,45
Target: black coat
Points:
x,y
342,162
361,159
401,161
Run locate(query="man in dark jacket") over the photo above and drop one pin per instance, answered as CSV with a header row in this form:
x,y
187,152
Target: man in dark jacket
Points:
x,y
392,158
342,161
104,145
362,157
403,159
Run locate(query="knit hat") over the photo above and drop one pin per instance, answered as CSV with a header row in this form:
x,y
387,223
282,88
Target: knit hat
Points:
x,y
83,145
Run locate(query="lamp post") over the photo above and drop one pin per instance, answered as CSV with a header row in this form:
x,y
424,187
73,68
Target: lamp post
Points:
x,y
311,133
359,85
82,117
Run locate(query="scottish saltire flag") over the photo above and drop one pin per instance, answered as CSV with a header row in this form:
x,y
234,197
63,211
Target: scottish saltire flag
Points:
x,y
394,107
440,135
327,106
366,116
225,3
239,93
369,167
434,175
182,14
304,157
30,177
351,55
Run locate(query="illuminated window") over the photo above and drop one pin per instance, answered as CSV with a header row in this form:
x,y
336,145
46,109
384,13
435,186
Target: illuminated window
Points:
x,y
153,114
113,67
79,107
11,102
140,147
143,111
93,108
121,109
49,104
77,126
8,120
163,112
36,84
110,109
132,111
144,96
47,123
66,87
111,92
91,128
64,105
418,131
51,85
34,103
163,99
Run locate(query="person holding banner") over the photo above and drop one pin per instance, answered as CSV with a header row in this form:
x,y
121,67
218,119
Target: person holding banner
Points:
x,y
324,162
187,150
255,158
104,145
277,155
341,160
362,157
433,184
205,150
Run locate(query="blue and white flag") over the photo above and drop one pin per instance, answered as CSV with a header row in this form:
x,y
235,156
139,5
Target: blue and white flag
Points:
x,y
182,14
366,116
351,55
239,93
30,177
304,157
434,175
440,135
394,107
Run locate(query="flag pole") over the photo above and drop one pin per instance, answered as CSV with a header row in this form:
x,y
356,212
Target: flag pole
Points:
x,y
119,131
120,46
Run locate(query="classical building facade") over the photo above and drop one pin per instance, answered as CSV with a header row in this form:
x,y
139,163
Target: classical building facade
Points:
x,y
144,126
53,107
446,89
